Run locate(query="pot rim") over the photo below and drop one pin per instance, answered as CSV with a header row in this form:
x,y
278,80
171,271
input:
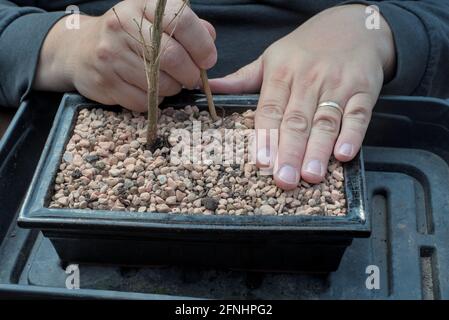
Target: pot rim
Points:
x,y
35,214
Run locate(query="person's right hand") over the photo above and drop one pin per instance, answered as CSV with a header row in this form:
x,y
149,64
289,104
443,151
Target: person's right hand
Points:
x,y
105,64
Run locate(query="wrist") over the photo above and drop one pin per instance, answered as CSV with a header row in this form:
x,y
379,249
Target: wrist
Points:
x,y
376,39
387,50
57,59
379,35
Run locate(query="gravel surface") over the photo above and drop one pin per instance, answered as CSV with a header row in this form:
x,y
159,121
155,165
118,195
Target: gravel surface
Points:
x,y
106,166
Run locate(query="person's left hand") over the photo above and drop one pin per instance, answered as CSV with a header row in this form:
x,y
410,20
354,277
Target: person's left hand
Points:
x,y
331,57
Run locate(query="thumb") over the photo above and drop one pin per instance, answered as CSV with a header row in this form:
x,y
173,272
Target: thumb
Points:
x,y
245,80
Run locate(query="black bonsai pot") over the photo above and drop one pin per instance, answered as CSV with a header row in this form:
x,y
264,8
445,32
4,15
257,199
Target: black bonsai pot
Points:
x,y
258,242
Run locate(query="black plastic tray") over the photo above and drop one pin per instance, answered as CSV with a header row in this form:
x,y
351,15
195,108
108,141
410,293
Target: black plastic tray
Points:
x,y
281,243
407,176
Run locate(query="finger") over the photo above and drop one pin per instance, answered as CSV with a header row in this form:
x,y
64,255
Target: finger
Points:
x,y
210,28
274,96
325,129
356,119
188,31
132,71
294,134
128,96
175,60
246,80
168,86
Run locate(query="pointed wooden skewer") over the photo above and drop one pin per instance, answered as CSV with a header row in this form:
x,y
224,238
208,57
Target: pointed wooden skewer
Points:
x,y
207,91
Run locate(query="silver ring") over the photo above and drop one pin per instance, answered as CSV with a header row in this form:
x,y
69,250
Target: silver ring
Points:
x,y
331,104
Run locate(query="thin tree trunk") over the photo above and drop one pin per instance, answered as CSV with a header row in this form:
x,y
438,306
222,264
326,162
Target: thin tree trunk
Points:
x,y
153,76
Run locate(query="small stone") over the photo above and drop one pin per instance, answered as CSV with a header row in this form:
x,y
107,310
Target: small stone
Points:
x,y
267,210
77,160
128,161
92,158
123,149
84,143
175,161
163,208
271,192
96,124
197,203
130,168
76,174
162,179
67,157
145,196
120,156
180,116
337,175
195,175
180,195
134,144
63,201
106,145
112,182
115,172
100,165
171,200
210,203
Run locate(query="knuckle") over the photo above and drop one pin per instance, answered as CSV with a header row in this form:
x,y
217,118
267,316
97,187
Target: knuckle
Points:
x,y
308,79
270,109
104,52
111,22
186,19
334,79
328,122
362,80
295,122
359,116
279,78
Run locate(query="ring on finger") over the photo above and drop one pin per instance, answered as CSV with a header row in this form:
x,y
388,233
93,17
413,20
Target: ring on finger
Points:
x,y
331,104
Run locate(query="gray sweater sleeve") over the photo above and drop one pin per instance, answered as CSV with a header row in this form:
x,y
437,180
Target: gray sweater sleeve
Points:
x,y
22,32
421,35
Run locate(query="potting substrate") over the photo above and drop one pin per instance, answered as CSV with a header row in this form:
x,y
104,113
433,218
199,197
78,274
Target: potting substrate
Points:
x,y
106,165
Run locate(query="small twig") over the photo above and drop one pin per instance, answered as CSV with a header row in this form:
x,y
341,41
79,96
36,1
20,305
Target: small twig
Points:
x,y
177,14
123,28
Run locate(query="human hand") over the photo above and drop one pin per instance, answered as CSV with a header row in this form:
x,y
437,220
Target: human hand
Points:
x,y
104,63
331,57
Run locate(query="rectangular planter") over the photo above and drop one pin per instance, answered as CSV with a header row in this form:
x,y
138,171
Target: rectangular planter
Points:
x,y
276,243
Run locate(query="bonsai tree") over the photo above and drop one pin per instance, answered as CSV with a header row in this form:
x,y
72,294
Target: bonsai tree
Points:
x,y
151,53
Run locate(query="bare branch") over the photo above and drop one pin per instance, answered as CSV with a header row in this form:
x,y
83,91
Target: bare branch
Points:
x,y
123,28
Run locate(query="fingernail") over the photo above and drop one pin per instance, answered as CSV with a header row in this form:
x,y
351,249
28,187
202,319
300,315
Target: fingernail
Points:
x,y
210,61
263,157
288,174
346,149
314,167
